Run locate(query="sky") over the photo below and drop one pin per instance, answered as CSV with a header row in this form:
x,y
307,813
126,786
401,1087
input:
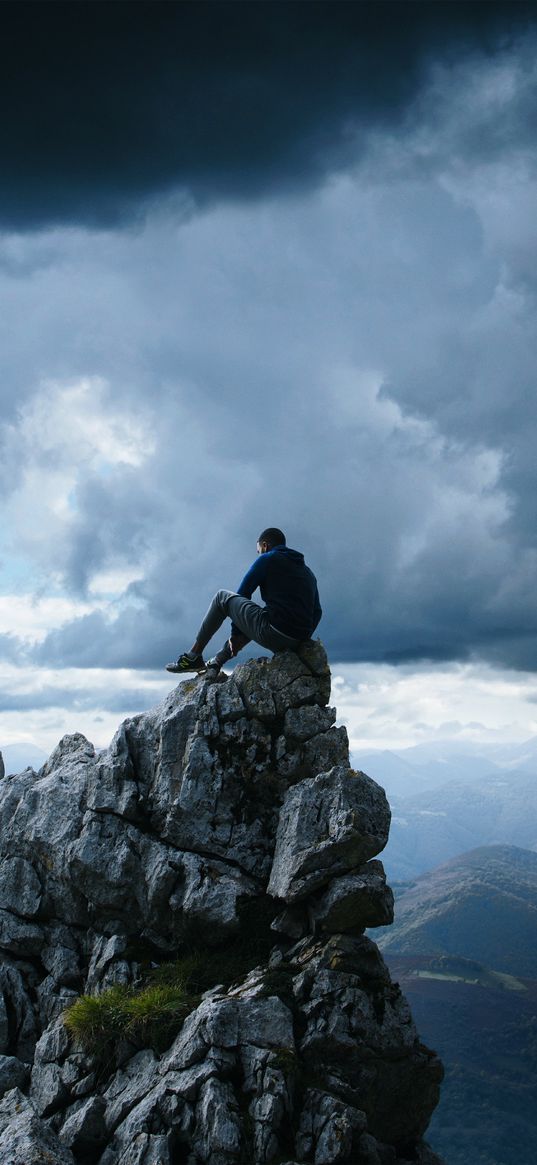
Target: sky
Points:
x,y
269,264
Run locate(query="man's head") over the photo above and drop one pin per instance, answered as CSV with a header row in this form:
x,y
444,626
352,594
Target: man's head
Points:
x,y
270,538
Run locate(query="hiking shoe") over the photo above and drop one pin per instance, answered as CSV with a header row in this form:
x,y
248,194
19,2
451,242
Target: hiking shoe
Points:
x,y
213,665
187,662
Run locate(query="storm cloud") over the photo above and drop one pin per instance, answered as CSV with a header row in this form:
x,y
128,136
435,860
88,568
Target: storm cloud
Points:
x,y
264,389
265,264
108,106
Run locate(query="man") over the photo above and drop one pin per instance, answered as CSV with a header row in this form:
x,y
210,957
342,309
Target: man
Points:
x,y
291,612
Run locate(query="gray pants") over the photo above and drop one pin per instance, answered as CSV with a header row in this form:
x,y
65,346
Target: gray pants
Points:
x,y
250,618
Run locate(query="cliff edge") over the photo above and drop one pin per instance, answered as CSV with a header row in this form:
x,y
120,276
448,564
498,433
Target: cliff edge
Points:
x,y
184,977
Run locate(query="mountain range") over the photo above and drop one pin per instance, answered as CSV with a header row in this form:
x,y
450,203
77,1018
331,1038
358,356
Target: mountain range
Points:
x,y
447,798
463,950
481,906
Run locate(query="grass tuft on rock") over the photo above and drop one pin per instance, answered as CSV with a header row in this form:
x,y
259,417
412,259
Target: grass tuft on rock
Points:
x,y
151,1016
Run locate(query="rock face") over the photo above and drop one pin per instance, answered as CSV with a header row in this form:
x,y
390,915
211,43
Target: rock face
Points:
x,y
227,818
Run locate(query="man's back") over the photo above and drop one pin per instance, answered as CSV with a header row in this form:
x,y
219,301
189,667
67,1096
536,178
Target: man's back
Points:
x,y
291,613
289,590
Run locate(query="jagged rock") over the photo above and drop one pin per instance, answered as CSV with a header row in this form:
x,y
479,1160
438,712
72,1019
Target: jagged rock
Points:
x,y
4,1026
210,894
146,1149
107,966
128,1087
19,937
294,921
329,1130
17,1018
328,825
355,900
351,902
27,1140
228,808
84,1129
61,957
53,1045
20,888
286,681
244,1036
301,724
13,1073
240,1048
356,1016
51,1002
52,1075
217,1137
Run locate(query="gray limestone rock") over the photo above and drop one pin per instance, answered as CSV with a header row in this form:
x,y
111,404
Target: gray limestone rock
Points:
x,y
216,1139
329,1130
228,807
209,895
328,825
20,887
128,1087
53,1046
361,900
60,956
292,679
356,1016
13,1073
294,921
229,703
146,1149
323,751
4,1026
27,1140
301,724
19,1023
107,966
84,1128
19,937
48,1092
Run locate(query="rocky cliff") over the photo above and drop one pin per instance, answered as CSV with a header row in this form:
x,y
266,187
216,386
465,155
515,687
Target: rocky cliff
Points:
x,y
184,974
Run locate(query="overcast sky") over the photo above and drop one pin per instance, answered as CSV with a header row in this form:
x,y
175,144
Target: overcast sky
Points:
x,y
268,264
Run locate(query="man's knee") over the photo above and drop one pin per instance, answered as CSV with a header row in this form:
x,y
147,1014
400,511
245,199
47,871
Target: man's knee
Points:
x,y
221,599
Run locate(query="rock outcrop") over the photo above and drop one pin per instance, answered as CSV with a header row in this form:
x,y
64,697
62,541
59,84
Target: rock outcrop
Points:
x,y
225,823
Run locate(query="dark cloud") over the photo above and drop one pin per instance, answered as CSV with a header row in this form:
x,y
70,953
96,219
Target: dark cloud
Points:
x,y
353,395
355,366
135,639
106,105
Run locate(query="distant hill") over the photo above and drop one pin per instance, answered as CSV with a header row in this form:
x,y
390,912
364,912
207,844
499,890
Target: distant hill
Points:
x,y
481,906
464,951
425,767
449,796
431,828
484,1027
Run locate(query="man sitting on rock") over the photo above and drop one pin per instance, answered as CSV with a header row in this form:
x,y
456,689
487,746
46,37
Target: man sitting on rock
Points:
x,y
291,614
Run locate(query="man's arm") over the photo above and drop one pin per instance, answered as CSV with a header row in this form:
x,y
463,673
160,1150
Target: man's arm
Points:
x,y
251,581
254,577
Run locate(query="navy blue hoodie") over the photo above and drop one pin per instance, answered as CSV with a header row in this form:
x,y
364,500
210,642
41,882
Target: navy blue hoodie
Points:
x,y
288,589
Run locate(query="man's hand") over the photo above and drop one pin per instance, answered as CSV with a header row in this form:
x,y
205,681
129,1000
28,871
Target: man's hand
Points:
x,y
237,641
